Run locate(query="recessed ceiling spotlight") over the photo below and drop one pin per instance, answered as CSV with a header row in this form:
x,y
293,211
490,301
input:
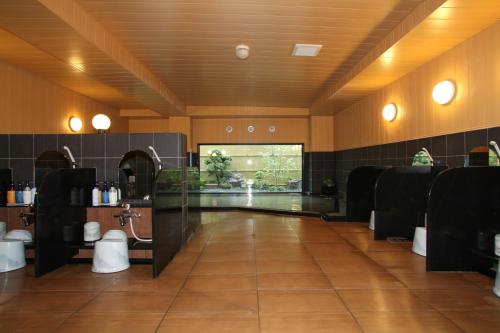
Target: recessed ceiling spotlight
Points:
x,y
242,51
306,50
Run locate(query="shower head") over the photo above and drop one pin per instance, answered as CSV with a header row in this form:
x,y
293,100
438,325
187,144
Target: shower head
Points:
x,y
495,145
428,154
156,156
73,163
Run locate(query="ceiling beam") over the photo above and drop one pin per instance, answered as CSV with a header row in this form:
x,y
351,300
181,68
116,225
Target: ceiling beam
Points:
x,y
62,29
245,111
324,103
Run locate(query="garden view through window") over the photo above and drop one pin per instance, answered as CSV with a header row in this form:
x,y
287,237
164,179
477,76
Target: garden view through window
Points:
x,y
256,168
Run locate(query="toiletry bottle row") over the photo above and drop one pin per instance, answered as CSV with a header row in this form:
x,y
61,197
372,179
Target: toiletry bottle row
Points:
x,y
104,195
21,195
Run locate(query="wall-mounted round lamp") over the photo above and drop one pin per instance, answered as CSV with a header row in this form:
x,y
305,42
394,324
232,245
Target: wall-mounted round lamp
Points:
x,y
250,129
443,92
390,112
229,128
101,123
75,124
272,129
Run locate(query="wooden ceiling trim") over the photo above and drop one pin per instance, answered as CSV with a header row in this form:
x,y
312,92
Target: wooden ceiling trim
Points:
x,y
20,53
139,113
71,13
244,111
323,103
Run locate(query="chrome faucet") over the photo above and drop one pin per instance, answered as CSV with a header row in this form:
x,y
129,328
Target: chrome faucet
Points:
x,y
28,218
126,215
160,164
73,163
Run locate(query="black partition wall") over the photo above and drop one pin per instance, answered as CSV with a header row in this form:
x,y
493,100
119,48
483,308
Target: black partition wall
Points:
x,y
194,205
401,195
5,180
463,219
60,211
361,191
169,216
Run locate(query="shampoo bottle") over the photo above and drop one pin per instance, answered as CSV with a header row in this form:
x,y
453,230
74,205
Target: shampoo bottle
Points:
x,y
113,195
27,194
95,195
19,193
11,194
105,194
33,194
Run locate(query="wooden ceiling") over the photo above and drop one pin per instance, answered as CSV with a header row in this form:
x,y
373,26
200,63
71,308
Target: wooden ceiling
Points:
x,y
166,54
190,44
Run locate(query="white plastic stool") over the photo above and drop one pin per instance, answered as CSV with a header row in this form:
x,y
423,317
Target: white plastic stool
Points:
x,y
11,255
496,288
420,241
91,231
371,226
111,255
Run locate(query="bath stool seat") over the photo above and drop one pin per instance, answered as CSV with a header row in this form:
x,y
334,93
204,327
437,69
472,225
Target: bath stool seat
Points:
x,y
12,255
110,256
420,241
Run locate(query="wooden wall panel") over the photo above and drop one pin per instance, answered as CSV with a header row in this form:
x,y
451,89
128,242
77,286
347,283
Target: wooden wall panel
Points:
x,y
322,133
475,67
288,130
30,104
181,125
148,125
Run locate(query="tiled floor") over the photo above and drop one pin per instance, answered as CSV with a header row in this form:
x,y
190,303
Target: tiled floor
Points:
x,y
246,272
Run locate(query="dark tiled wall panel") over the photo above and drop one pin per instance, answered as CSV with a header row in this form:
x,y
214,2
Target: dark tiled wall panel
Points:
x,y
448,150
101,151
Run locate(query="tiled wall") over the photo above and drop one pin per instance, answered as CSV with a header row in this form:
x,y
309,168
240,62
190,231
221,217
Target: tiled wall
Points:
x,y
450,150
100,151
321,166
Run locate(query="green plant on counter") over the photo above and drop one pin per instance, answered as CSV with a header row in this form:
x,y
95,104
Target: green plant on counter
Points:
x,y
328,182
218,165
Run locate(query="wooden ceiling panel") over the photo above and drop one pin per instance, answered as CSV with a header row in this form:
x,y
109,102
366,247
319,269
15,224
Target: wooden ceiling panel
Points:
x,y
425,34
190,45
64,31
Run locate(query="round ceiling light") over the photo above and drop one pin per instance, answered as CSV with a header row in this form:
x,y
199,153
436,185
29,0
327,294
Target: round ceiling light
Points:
x,y
443,92
75,124
101,122
242,51
390,112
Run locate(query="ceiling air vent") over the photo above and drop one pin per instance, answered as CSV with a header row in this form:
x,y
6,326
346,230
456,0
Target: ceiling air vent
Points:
x,y
306,50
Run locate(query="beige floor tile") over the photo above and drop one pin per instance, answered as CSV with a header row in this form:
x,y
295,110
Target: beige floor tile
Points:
x,y
282,266
224,267
293,281
220,283
297,254
300,301
212,256
140,302
433,280
32,323
308,323
210,323
111,323
407,322
46,301
382,300
167,285
476,321
233,301
465,299
328,250
375,279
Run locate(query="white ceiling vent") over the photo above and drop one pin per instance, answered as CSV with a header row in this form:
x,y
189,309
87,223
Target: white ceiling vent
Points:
x,y
306,50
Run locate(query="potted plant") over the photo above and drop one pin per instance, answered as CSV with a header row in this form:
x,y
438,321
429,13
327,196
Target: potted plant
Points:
x,y
329,187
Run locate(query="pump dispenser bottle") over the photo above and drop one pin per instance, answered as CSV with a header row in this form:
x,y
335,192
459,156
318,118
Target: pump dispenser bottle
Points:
x,y
27,194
